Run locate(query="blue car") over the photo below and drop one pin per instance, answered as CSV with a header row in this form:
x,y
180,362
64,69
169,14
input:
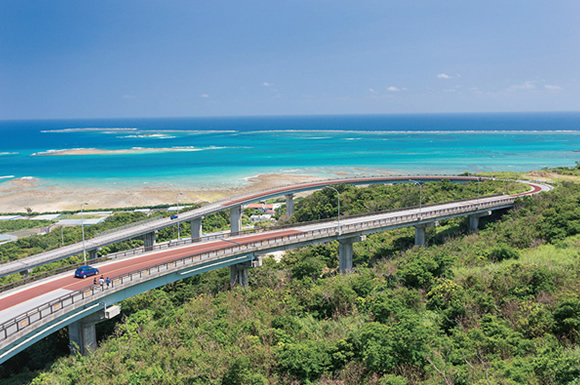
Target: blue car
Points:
x,y
86,271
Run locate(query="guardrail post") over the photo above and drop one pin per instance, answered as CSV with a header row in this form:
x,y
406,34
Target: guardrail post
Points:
x,y
236,219
196,228
149,240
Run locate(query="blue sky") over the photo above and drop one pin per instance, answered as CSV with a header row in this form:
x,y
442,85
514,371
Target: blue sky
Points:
x,y
110,58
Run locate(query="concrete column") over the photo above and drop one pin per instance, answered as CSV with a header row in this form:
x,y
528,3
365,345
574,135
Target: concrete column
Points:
x,y
25,273
196,228
473,221
239,274
345,252
82,334
290,205
236,219
93,254
420,235
149,240
82,337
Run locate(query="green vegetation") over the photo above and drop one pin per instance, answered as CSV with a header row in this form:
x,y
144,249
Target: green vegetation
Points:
x,y
324,204
497,306
21,224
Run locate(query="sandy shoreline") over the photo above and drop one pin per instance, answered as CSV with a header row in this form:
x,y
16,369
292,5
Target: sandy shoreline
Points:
x,y
135,150
18,194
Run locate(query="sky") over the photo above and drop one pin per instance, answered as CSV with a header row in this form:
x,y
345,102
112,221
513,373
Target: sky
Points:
x,y
173,58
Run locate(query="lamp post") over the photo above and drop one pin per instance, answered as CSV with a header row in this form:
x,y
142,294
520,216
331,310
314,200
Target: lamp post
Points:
x,y
338,198
478,180
178,235
83,232
420,194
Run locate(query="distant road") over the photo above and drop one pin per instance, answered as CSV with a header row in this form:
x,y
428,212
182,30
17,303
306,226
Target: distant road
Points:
x,y
141,229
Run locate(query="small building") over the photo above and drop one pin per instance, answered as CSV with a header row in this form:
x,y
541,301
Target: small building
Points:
x,y
257,206
261,218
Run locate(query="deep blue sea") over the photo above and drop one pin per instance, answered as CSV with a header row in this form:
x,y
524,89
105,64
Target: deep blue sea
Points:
x,y
218,152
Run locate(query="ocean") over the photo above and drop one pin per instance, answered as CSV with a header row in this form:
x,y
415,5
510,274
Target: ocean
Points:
x,y
221,152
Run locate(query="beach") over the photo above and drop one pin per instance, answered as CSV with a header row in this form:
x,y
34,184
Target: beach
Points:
x,y
18,194
54,165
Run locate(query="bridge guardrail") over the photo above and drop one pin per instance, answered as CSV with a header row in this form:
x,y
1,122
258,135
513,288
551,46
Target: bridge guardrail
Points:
x,y
124,231
185,241
90,293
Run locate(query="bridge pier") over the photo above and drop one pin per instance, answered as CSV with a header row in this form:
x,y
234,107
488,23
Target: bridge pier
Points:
x,y
25,273
196,228
149,240
236,219
82,335
345,253
93,254
290,205
239,274
420,233
474,219
239,271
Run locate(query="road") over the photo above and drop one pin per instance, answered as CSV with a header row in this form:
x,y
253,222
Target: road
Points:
x,y
137,230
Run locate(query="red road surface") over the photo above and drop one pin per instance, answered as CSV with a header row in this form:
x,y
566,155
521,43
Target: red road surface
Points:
x,y
125,266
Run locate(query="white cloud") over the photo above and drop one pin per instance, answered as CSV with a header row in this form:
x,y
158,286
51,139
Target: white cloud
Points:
x,y
266,84
445,76
527,85
552,88
372,91
204,95
395,89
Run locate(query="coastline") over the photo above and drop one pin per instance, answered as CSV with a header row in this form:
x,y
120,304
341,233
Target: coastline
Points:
x,y
18,194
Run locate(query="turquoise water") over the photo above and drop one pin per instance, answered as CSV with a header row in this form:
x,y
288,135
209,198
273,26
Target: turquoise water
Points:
x,y
225,151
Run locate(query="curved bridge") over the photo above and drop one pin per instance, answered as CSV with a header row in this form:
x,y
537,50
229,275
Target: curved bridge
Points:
x,y
147,228
30,313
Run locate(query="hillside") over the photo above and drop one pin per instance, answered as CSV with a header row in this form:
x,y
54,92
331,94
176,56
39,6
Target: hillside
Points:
x,y
497,306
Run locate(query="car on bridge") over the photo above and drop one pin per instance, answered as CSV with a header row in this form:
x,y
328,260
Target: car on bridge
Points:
x,y
86,271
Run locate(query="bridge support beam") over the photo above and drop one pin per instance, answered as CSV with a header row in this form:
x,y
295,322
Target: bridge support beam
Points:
x,y
290,205
474,219
420,233
82,334
236,219
25,273
196,228
239,274
93,254
149,240
345,253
